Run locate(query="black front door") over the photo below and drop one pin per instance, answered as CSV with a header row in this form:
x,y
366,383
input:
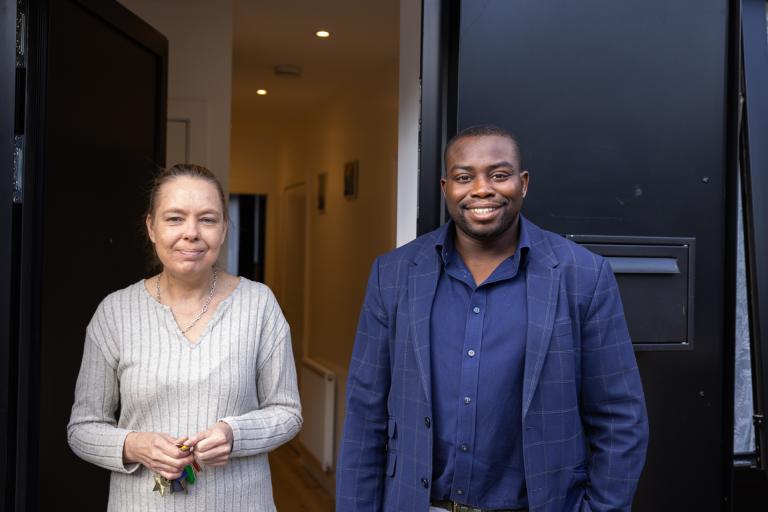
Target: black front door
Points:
x,y
95,135
625,118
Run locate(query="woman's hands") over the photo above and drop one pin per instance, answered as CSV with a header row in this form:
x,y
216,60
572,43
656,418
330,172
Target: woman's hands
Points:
x,y
158,452
214,446
161,454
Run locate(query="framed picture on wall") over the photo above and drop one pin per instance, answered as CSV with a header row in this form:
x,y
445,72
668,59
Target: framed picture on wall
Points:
x,y
321,179
350,179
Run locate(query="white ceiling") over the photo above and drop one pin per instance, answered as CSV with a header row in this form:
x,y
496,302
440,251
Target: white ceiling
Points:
x,y
363,44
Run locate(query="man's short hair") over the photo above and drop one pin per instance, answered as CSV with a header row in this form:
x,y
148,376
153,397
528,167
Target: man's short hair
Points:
x,y
483,130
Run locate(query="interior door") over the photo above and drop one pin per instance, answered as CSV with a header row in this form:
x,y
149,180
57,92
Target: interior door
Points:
x,y
293,222
96,136
625,115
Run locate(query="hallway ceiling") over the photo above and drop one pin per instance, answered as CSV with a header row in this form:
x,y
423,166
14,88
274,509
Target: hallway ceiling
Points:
x,y
364,39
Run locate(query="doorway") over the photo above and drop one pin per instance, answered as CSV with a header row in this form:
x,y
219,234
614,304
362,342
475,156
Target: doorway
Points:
x,y
247,235
341,111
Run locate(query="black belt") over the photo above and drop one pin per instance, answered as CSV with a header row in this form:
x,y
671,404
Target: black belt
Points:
x,y
458,507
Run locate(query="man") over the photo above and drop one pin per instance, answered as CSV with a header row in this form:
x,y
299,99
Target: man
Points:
x,y
492,367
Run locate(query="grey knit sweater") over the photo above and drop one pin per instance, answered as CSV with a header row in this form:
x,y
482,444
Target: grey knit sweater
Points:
x,y
241,370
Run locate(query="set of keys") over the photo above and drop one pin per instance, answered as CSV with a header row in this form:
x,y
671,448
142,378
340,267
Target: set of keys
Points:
x,y
188,477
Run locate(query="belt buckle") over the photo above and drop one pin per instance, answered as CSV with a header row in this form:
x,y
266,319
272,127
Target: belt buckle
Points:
x,y
454,506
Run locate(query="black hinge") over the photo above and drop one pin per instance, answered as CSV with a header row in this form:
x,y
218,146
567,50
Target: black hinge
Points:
x,y
21,34
20,108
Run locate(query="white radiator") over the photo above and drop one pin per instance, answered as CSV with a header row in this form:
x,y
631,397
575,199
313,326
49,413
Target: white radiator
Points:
x,y
318,407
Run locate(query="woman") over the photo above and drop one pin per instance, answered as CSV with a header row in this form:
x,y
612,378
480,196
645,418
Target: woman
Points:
x,y
197,361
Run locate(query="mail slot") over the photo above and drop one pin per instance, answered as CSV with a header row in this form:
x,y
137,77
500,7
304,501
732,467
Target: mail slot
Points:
x,y
656,281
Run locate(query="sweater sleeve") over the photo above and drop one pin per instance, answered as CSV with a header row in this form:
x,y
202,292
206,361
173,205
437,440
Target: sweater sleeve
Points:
x,y
278,418
92,432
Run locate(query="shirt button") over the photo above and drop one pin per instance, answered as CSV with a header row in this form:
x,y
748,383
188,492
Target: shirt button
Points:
x,y
464,447
427,422
476,309
467,400
471,353
425,482
460,492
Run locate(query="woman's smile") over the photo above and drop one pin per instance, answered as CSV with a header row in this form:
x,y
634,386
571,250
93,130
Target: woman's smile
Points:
x,y
191,253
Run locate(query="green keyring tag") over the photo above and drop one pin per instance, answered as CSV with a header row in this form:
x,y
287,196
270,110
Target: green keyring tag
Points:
x,y
190,474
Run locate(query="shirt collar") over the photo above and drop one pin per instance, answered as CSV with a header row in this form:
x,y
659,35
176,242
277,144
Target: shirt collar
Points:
x,y
524,243
444,244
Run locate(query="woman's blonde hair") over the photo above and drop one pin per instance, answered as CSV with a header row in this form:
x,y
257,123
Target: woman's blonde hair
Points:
x,y
184,170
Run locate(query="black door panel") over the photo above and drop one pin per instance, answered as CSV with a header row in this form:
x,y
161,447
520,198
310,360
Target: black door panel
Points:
x,y
96,137
621,109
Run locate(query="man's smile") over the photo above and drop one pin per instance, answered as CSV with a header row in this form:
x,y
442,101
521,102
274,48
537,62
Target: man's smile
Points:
x,y
483,211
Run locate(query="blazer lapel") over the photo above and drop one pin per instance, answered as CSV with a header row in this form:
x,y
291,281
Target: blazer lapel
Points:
x,y
542,284
422,284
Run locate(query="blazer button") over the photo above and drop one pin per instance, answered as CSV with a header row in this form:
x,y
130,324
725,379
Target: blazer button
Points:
x,y
425,483
427,422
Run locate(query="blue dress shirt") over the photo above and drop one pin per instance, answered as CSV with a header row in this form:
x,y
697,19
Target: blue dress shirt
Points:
x,y
477,351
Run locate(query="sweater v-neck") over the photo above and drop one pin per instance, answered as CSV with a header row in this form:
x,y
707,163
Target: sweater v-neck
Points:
x,y
173,326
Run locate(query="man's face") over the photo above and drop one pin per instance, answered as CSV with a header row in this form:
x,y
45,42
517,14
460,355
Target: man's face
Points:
x,y
484,186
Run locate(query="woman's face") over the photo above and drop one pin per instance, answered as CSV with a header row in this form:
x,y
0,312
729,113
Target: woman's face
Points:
x,y
188,225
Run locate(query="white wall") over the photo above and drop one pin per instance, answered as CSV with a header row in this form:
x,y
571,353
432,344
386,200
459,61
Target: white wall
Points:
x,y
199,34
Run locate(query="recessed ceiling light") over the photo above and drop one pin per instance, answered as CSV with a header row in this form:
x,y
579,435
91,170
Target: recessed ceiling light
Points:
x,y
261,92
323,34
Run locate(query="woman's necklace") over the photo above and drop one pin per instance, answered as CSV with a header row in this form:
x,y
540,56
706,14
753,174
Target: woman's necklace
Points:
x,y
205,306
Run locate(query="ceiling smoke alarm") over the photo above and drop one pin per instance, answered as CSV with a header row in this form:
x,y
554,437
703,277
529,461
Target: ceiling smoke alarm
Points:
x,y
288,71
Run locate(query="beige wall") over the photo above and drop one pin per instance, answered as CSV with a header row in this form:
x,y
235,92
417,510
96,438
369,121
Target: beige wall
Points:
x,y
199,36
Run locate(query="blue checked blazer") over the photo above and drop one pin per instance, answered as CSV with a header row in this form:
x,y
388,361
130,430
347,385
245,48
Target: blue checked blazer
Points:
x,y
584,425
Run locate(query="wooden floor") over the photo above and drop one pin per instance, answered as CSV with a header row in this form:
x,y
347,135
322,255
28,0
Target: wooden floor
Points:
x,y
294,489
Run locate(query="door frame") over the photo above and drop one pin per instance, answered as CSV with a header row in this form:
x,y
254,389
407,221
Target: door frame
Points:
x,y
8,309
754,201
439,98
